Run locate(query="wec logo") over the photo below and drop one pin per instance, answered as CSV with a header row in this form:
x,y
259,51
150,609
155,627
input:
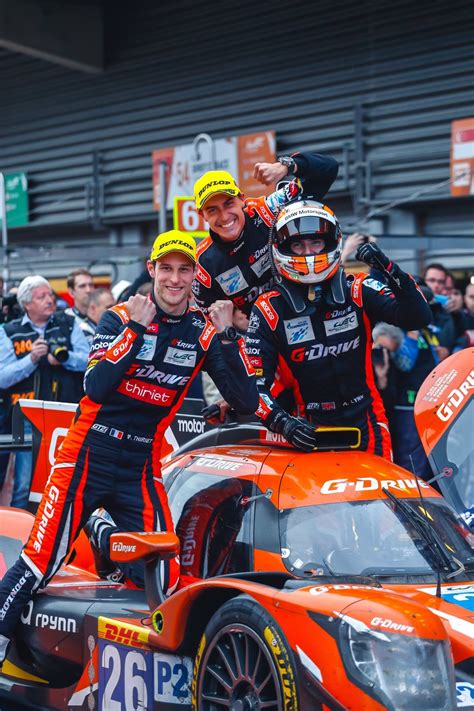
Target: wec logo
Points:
x,y
456,397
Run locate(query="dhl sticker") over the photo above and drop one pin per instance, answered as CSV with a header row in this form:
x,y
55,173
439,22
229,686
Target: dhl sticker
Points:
x,y
122,633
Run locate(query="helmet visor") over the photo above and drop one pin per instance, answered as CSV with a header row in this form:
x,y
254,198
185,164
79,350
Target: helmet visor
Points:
x,y
308,227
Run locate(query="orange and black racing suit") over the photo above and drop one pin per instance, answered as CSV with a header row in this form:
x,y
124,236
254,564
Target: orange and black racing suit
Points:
x,y
327,347
136,380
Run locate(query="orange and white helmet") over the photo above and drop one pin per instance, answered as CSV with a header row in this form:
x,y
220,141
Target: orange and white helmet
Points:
x,y
306,219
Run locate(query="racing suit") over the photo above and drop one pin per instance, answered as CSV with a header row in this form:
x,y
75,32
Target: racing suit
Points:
x,y
136,379
327,347
241,270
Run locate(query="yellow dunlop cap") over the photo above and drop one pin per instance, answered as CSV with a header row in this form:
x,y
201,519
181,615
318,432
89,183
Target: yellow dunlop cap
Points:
x,y
211,183
173,241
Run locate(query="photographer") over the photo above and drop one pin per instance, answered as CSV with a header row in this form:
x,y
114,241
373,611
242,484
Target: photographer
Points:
x,y
43,355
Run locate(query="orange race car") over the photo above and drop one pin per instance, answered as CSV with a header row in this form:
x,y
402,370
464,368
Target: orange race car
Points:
x,y
331,580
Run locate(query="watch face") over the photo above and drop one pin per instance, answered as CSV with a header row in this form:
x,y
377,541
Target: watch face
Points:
x,y
231,333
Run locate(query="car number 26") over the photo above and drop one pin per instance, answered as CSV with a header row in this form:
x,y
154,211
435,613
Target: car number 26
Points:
x,y
131,679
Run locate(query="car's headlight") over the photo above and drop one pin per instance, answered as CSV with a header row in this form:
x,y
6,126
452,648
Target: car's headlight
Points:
x,y
398,669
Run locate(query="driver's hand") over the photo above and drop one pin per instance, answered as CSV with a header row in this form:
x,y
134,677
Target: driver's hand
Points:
x,y
269,173
141,309
297,431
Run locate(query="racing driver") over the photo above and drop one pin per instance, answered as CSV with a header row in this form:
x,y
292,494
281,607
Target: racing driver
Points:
x,y
319,320
233,262
144,356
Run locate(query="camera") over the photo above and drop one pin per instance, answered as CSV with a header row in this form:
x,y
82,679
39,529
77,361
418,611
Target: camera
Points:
x,y
9,308
378,357
58,350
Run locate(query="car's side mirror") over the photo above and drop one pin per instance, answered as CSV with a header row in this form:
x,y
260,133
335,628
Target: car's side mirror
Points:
x,y
152,548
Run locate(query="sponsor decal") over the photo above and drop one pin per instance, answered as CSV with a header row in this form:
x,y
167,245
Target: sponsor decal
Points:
x,y
232,281
119,348
299,330
100,345
47,514
285,669
271,316
464,694
153,328
202,276
261,265
123,547
147,351
337,312
455,398
318,350
52,622
198,322
387,624
176,356
221,464
206,336
188,545
374,284
191,424
147,393
14,592
122,633
103,429
121,312
141,440
462,595
356,289
151,373
273,437
256,361
321,589
182,344
244,357
254,323
368,483
256,255
253,351
340,324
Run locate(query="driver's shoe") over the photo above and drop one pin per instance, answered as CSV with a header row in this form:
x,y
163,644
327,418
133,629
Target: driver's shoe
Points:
x,y
94,529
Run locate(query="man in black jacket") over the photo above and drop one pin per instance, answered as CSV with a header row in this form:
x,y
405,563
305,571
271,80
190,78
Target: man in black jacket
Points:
x,y
234,261
319,321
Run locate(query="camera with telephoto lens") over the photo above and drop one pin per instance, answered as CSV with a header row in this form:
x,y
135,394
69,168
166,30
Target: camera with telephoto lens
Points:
x,y
58,350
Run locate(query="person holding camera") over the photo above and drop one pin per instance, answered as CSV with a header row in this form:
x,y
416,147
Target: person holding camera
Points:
x,y
44,355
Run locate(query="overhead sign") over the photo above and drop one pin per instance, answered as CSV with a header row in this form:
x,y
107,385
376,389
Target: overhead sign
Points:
x,y
187,219
16,197
462,157
237,154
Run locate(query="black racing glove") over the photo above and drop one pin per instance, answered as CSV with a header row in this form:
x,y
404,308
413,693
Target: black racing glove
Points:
x,y
299,432
370,254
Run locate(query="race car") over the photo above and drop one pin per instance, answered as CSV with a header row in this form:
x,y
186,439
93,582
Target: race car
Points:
x,y
330,580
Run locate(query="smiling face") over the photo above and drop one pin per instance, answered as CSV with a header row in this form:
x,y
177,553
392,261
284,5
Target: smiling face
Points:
x,y
172,278
225,215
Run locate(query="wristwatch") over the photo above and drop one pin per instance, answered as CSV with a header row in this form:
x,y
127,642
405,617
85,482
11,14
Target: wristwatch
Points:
x,y
228,334
288,162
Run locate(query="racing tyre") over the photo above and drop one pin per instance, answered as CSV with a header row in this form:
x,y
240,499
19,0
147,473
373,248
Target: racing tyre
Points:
x,y
243,662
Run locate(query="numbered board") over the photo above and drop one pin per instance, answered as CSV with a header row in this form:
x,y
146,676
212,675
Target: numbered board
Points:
x,y
133,679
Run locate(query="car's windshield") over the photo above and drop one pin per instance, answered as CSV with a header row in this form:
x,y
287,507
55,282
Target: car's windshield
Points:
x,y
454,455
374,537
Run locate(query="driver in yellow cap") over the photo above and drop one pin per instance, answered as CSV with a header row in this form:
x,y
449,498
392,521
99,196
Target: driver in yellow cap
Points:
x,y
233,262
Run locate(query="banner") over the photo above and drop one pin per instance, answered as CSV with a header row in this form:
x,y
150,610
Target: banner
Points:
x,y
462,157
237,155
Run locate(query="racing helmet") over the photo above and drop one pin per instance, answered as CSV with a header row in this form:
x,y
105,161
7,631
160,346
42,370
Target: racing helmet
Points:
x,y
306,219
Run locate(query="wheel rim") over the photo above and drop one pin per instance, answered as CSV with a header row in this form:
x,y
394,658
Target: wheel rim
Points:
x,y
238,673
